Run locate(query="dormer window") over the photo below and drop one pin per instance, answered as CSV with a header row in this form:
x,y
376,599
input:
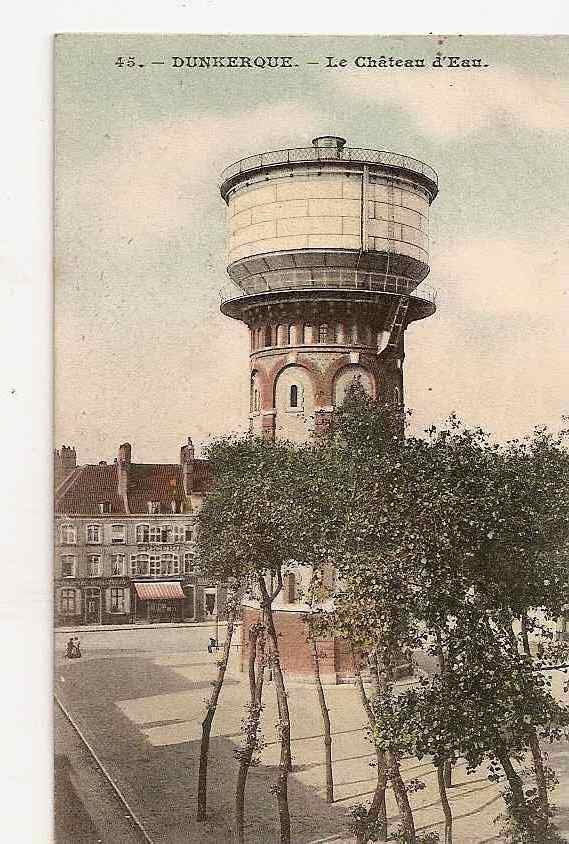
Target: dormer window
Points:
x,y
154,507
104,506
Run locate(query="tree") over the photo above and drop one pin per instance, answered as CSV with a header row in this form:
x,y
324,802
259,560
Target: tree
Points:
x,y
231,609
315,626
451,517
246,532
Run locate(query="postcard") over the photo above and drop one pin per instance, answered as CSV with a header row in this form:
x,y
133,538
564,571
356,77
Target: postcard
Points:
x,y
311,472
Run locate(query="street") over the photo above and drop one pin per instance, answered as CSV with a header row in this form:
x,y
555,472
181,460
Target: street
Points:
x,y
138,697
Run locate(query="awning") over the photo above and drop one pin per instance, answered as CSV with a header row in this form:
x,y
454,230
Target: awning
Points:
x,y
159,591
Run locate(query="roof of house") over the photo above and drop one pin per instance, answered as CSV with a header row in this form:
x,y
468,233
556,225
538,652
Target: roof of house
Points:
x,y
86,487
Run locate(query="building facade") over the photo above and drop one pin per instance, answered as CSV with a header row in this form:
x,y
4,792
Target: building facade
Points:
x,y
327,254
125,541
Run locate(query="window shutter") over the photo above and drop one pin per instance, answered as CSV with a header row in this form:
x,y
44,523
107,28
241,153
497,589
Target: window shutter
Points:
x,y
108,599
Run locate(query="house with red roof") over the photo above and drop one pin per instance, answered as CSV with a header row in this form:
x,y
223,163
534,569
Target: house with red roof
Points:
x,y
125,541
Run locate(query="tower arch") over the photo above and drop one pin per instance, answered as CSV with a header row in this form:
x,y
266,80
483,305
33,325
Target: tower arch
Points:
x,y
294,403
346,376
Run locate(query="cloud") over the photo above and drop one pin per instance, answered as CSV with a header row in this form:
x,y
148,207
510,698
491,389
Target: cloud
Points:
x,y
155,180
140,234
495,349
451,103
504,278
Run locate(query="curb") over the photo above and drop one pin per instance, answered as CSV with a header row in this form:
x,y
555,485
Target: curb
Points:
x,y
109,628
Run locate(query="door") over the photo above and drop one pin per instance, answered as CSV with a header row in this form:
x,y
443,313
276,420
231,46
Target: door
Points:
x,y
210,602
93,606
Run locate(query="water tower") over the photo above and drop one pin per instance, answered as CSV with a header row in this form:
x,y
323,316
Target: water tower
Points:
x,y
327,251
327,245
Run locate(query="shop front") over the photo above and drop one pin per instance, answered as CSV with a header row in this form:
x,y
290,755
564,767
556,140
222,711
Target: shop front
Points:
x,y
159,601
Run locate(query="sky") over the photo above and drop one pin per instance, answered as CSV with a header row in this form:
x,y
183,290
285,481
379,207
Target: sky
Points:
x,y
142,352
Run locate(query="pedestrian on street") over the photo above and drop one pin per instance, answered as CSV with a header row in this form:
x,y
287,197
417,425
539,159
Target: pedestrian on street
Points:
x,y
70,648
77,648
212,645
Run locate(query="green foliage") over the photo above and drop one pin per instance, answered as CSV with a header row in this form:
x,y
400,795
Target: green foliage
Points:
x,y
399,836
441,543
246,525
359,821
253,741
522,828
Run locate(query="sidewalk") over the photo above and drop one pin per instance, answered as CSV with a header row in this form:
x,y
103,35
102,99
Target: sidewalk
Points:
x,y
104,628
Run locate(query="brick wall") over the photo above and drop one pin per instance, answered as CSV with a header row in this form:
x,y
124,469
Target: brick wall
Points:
x,y
296,658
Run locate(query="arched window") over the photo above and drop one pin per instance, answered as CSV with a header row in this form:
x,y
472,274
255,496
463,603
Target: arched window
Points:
x,y
323,333
290,335
68,535
294,396
307,334
268,337
281,335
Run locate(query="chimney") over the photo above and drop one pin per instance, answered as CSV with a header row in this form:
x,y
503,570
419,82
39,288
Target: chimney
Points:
x,y
123,463
64,462
187,463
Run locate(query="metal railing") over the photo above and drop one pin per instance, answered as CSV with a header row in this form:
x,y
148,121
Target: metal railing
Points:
x,y
300,155
368,282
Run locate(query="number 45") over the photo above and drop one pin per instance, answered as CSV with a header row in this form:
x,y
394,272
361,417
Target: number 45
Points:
x,y
125,62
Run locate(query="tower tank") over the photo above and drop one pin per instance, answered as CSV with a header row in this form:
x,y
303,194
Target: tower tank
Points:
x,y
327,250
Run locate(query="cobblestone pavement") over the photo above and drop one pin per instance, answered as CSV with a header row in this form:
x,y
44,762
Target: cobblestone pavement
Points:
x,y
141,709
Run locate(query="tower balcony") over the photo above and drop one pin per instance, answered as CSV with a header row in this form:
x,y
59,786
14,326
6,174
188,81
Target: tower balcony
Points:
x,y
330,286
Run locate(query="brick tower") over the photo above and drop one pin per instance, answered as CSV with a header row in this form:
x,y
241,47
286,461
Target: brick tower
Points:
x,y
327,247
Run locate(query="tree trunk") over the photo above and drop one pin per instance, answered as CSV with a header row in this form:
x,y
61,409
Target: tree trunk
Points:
x,y
325,721
377,812
540,779
537,757
448,773
256,655
285,762
381,675
444,802
210,714
402,798
519,806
